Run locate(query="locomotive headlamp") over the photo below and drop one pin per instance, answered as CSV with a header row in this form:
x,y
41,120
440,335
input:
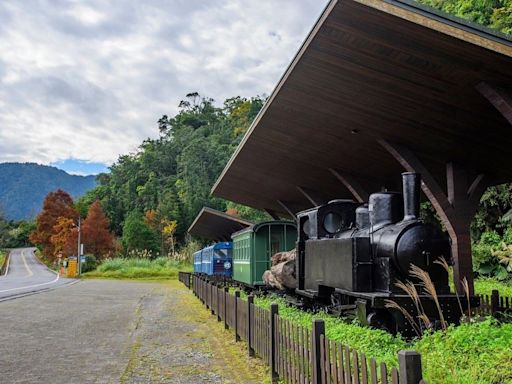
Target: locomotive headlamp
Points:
x,y
333,223
227,265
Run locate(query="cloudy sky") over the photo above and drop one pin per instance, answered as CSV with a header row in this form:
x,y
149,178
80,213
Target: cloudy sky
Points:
x,y
82,82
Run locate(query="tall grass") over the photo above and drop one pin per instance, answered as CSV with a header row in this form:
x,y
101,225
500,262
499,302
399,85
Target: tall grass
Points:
x,y
139,268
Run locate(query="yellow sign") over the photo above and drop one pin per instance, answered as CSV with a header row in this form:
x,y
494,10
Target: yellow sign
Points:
x,y
71,268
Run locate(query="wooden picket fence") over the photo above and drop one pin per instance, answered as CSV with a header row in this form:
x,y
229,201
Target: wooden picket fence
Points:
x,y
296,354
493,304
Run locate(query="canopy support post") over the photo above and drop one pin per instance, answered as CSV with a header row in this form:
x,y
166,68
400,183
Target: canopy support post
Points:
x,y
456,207
352,185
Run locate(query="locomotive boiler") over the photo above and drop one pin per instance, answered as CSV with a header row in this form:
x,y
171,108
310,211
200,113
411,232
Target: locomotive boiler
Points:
x,y
351,256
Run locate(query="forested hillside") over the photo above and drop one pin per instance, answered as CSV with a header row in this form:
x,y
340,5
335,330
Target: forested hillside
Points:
x,y
170,178
24,186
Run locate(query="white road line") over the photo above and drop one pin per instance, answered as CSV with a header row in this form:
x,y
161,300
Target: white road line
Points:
x,y
30,273
7,266
34,285
31,286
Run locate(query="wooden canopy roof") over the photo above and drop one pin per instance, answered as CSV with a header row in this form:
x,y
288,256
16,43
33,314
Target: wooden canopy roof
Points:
x,y
373,76
214,225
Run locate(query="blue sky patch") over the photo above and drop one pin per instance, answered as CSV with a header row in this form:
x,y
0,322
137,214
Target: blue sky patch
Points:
x,y
80,167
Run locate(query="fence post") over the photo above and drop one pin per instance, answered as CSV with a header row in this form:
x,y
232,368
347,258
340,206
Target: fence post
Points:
x,y
410,367
318,330
219,290
495,301
205,294
237,297
213,294
274,311
211,299
226,293
250,301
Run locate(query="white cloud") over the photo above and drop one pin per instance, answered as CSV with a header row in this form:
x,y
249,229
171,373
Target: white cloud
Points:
x,y
89,79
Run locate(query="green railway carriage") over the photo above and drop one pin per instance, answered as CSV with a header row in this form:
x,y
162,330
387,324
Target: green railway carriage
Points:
x,y
254,246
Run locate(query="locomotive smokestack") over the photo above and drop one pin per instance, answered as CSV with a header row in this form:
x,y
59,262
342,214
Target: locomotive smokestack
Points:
x,y
411,187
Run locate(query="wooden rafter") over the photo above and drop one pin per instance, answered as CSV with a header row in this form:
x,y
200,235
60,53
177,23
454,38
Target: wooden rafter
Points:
x,y
349,181
500,98
287,208
311,196
272,214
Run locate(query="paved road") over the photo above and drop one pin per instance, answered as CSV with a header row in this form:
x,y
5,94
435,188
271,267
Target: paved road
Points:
x,y
27,275
101,331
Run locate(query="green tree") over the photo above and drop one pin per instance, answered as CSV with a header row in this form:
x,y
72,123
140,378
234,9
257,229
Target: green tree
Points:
x,y
137,235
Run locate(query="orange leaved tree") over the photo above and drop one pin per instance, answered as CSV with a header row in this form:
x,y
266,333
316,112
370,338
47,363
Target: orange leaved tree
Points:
x,y
96,236
58,204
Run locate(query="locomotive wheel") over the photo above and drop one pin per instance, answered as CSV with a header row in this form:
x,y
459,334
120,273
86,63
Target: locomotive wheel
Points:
x,y
380,319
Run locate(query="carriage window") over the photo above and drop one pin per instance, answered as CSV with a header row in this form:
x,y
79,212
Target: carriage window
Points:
x,y
221,252
275,245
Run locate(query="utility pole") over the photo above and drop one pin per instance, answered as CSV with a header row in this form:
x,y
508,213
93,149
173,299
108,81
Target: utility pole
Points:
x,y
79,265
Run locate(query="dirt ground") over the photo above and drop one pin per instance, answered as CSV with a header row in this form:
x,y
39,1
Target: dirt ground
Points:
x,y
102,331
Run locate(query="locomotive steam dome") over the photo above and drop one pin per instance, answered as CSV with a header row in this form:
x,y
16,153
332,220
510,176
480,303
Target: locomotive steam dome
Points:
x,y
385,208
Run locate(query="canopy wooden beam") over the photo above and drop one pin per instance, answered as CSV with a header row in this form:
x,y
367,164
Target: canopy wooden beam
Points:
x,y
456,207
272,214
287,208
312,196
349,181
500,98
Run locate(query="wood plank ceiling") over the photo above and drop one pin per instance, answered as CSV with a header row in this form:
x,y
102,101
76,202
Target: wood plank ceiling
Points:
x,y
363,75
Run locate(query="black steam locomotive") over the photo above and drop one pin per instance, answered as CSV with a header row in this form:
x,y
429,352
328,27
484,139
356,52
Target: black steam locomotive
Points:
x,y
350,257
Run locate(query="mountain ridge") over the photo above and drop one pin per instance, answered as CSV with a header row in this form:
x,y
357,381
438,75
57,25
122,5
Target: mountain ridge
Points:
x,y
23,187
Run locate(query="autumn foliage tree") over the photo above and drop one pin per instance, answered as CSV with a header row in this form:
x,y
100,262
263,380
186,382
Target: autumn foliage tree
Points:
x,y
96,236
58,204
61,236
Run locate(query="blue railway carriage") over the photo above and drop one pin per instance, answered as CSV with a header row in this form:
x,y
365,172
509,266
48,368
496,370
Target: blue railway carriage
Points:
x,y
217,259
198,264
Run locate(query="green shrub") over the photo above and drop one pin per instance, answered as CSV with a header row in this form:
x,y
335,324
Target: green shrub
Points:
x,y
90,263
484,260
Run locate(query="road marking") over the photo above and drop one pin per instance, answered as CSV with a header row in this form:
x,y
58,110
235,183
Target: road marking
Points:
x,y
34,285
30,273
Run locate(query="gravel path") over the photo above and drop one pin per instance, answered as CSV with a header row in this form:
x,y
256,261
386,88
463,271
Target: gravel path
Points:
x,y
101,331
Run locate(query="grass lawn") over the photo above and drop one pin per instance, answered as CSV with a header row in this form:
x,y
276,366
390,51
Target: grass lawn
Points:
x,y
484,286
475,353
133,268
